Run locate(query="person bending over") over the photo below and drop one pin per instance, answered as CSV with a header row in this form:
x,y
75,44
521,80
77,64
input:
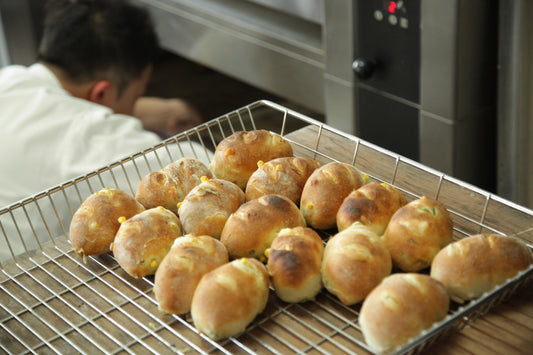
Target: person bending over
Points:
x,y
81,105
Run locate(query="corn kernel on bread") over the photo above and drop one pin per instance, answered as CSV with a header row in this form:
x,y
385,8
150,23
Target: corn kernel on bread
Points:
x,y
417,232
324,191
207,207
476,264
190,258
372,204
95,223
283,176
399,308
143,240
171,184
294,261
236,156
250,230
355,261
229,298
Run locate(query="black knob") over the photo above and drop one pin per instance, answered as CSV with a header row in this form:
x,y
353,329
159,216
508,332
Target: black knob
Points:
x,y
364,67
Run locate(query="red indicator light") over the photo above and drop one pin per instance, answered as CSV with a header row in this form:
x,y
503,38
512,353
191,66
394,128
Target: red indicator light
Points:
x,y
392,7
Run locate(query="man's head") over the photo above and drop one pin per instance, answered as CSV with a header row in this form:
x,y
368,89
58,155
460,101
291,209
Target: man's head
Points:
x,y
108,44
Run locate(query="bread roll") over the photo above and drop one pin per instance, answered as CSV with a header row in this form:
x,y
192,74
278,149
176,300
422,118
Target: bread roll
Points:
x,y
476,264
400,308
324,192
372,205
416,233
250,230
143,241
171,184
355,261
236,156
282,176
228,298
190,258
294,261
207,207
95,223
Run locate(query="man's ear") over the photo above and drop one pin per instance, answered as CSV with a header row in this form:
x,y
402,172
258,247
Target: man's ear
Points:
x,y
101,92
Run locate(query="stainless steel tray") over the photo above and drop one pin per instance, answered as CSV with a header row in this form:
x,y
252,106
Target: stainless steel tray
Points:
x,y
53,302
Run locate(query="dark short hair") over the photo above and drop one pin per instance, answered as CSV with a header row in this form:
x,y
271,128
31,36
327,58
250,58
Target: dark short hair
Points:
x,y
98,39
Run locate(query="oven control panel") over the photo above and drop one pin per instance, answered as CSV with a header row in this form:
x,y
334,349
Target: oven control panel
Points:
x,y
387,48
387,73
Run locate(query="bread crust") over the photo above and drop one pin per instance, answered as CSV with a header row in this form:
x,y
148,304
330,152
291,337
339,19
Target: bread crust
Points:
x,y
284,176
170,185
95,223
417,232
142,241
355,261
294,261
400,308
250,230
236,156
229,298
324,191
207,207
190,258
372,204
476,264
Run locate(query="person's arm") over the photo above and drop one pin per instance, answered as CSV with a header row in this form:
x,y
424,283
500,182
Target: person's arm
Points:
x,y
166,117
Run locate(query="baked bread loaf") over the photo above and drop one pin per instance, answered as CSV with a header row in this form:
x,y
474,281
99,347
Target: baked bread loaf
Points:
x,y
236,156
372,205
400,308
294,261
190,258
284,176
95,223
355,261
416,233
170,185
476,264
143,240
324,191
229,298
250,230
207,207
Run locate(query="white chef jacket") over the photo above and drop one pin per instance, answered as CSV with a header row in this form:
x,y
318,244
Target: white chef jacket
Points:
x,y
48,136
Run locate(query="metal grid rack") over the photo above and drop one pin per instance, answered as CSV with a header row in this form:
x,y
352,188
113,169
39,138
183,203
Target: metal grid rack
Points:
x,y
53,302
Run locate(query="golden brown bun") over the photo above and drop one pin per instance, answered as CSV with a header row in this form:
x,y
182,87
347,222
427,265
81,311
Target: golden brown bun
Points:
x,y
95,223
294,261
236,156
190,258
187,172
476,264
400,308
355,261
282,176
143,241
171,184
250,230
228,298
324,192
207,207
372,205
416,233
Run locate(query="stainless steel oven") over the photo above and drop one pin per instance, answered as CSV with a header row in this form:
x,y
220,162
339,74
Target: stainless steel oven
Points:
x,y
416,77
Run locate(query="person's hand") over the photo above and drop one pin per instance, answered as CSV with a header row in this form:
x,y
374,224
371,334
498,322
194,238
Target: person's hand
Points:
x,y
166,117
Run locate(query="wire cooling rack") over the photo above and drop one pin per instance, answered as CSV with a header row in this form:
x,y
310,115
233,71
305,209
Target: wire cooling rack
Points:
x,y
53,302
